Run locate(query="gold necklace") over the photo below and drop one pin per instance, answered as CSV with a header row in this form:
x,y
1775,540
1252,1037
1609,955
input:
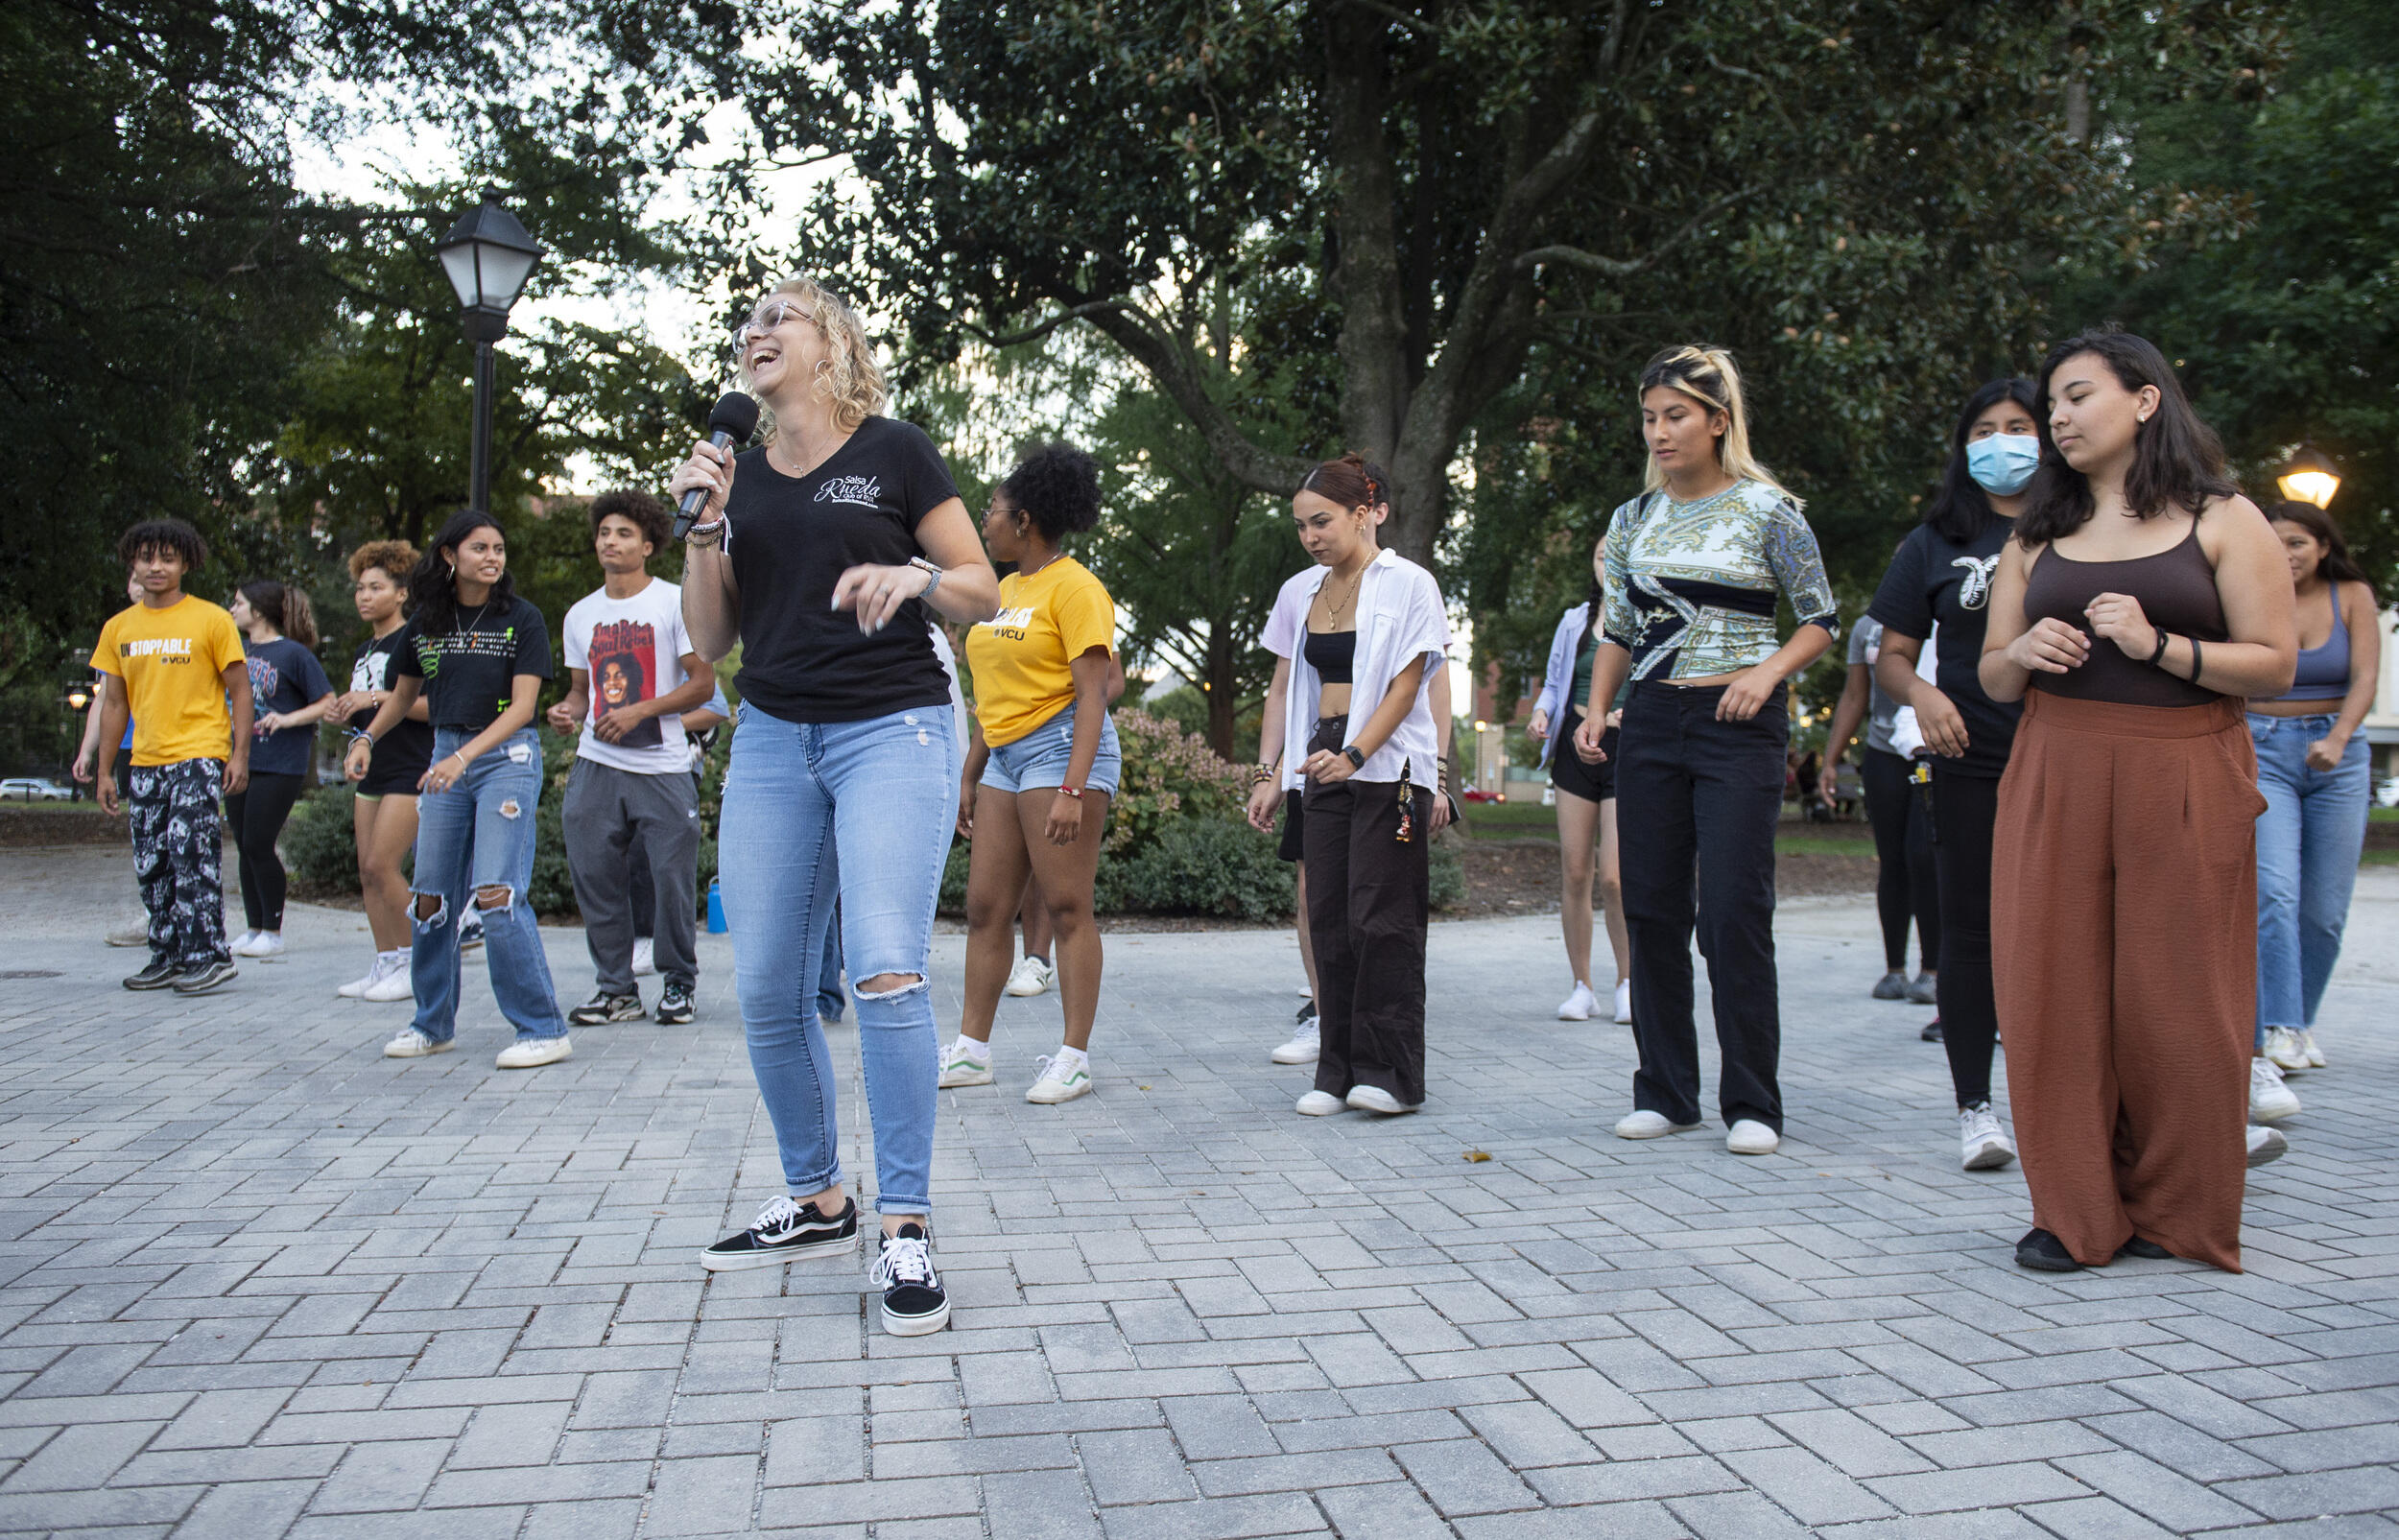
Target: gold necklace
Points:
x,y
1333,612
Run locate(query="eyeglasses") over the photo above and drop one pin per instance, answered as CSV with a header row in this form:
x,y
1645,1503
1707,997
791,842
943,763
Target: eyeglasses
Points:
x,y
771,312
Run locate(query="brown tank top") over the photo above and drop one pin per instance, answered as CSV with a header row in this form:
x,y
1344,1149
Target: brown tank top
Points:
x,y
2177,591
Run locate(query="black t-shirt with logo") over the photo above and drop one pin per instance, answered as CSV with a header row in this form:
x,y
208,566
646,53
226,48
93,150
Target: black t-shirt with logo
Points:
x,y
411,743
789,540
1933,579
470,670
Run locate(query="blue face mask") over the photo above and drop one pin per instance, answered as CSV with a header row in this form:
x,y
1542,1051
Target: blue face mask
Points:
x,y
2004,463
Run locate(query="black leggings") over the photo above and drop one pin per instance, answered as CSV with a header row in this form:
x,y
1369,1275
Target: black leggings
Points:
x,y
1903,847
254,817
1964,810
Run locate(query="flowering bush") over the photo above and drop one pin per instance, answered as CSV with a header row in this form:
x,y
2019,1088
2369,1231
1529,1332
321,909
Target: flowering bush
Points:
x,y
1169,775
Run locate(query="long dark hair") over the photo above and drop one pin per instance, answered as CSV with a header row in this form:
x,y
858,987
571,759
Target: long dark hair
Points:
x,y
1961,510
2178,461
433,583
284,608
2338,566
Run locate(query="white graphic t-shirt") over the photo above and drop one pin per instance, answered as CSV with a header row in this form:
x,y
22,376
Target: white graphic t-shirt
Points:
x,y
633,651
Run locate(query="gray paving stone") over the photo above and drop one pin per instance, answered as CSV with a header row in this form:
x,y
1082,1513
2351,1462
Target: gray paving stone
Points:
x,y
431,1299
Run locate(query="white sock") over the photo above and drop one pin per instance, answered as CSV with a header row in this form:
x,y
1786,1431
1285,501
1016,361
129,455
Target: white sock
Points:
x,y
980,1053
1073,1058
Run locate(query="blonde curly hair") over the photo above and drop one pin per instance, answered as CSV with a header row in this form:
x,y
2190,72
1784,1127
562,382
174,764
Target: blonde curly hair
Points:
x,y
850,378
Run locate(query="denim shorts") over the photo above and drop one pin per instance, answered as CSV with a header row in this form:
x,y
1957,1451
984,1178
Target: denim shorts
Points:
x,y
1039,758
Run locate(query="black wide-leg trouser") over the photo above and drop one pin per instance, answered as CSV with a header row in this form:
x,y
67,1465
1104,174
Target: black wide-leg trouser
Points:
x,y
1369,893
1695,793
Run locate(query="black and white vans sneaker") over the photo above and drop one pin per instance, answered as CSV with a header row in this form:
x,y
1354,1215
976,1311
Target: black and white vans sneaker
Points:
x,y
604,1007
204,977
159,975
914,1304
786,1232
675,1006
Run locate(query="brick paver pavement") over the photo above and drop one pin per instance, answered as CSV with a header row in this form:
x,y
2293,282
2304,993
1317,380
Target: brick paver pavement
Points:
x,y
258,1281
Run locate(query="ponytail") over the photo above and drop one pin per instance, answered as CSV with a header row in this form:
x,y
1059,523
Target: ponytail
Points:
x,y
284,608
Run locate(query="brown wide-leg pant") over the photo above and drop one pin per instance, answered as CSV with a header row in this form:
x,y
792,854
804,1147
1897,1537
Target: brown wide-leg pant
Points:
x,y
2124,944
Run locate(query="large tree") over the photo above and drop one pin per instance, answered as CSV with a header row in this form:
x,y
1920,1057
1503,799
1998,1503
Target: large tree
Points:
x,y
1461,183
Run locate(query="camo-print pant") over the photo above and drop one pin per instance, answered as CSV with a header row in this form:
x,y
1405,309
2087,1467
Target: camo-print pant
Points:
x,y
178,859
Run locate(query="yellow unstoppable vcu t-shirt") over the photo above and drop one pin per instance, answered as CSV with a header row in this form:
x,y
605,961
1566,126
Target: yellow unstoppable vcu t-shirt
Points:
x,y
1022,659
173,663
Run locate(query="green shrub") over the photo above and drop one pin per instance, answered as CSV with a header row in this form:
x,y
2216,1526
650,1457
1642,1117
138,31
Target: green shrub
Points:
x,y
1448,876
1185,707
1169,775
319,845
1211,866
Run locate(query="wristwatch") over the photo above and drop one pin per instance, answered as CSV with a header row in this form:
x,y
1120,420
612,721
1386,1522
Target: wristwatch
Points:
x,y
1357,760
933,569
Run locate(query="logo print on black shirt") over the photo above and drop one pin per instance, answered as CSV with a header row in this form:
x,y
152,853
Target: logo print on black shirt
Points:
x,y
866,491
1975,590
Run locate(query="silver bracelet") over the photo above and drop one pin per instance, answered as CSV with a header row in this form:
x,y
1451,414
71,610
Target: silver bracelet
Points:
x,y
936,573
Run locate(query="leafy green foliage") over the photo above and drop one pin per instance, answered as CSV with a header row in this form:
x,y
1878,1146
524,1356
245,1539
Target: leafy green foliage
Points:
x,y
1211,866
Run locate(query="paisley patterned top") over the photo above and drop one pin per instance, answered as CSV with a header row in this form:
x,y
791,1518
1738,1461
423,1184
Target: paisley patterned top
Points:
x,y
1691,586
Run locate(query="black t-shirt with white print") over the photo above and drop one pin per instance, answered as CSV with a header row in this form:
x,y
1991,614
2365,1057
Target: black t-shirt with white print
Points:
x,y
1933,579
470,671
791,539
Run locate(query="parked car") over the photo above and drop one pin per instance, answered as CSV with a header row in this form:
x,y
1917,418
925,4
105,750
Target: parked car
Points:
x,y
34,789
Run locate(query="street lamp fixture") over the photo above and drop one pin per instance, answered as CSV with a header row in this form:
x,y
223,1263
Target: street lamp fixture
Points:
x,y
488,256
78,697
2311,476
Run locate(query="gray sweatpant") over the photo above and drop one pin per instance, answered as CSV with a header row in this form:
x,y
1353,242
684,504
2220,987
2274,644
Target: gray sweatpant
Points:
x,y
606,811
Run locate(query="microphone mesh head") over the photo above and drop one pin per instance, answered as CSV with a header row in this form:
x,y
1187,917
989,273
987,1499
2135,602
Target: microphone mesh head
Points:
x,y
736,416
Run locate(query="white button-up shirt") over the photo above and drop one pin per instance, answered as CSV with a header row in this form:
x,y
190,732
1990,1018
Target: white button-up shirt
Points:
x,y
1400,619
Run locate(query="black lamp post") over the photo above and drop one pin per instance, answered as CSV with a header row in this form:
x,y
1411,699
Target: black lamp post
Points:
x,y
2311,476
488,256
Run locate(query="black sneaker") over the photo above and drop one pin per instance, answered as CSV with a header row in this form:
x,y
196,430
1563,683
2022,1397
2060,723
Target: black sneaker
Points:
x,y
604,1007
159,974
1931,1032
675,1006
2146,1250
471,932
204,977
914,1304
2044,1252
785,1232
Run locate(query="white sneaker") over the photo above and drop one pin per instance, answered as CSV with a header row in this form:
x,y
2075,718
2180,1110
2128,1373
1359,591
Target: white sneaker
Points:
x,y
533,1053
1579,1004
2269,1099
1646,1124
1031,975
961,1068
356,987
1375,1099
262,944
644,957
2266,1145
237,945
1320,1104
2307,1042
1624,1003
1748,1136
1983,1145
1059,1081
393,984
414,1044
1305,1043
2284,1047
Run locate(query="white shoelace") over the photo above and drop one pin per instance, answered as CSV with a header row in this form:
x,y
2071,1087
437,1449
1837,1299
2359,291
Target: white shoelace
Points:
x,y
1054,1069
1980,1123
779,1213
2265,1072
905,1259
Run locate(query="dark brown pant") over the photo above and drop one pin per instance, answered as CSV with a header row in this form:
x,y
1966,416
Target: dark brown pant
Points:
x,y
2123,931
1368,895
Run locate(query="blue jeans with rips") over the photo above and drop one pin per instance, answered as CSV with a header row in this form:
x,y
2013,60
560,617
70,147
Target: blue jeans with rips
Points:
x,y
2307,842
857,812
480,833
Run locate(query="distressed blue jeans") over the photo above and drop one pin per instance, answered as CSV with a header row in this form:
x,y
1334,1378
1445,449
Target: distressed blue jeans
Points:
x,y
480,833
2307,842
857,812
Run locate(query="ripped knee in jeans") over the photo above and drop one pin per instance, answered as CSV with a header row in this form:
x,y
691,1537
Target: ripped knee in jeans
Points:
x,y
889,985
494,895
432,911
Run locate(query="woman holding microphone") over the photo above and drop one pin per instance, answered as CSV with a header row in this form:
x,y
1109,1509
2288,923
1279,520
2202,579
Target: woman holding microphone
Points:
x,y
821,554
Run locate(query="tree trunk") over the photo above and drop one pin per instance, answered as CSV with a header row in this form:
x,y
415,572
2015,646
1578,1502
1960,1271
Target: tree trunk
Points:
x,y
1223,691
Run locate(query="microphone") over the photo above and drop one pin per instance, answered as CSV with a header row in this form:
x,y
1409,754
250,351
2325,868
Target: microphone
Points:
x,y
733,422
